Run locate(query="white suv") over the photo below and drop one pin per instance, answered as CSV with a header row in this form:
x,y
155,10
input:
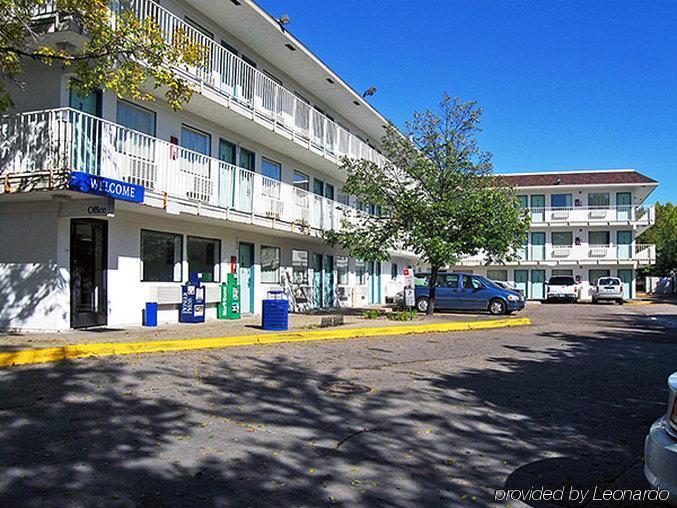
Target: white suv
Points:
x,y
608,288
561,289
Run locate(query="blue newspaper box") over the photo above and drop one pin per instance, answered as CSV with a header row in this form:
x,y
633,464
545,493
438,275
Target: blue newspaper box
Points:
x,y
275,311
192,308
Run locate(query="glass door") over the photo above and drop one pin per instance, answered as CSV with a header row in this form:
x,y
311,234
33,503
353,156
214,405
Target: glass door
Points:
x,y
537,284
623,205
626,279
624,244
88,263
538,208
246,274
522,281
318,209
227,151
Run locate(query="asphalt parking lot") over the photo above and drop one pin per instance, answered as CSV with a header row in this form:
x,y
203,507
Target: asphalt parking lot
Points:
x,y
425,420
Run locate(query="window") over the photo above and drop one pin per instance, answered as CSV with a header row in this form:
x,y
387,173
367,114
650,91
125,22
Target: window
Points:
x,y
329,191
230,48
299,262
249,61
562,273
271,169
301,181
195,140
161,256
270,265
342,270
598,199
246,159
342,197
472,283
227,151
501,275
447,280
560,200
135,117
598,238
204,255
198,27
523,201
361,272
562,238
595,275
271,76
393,271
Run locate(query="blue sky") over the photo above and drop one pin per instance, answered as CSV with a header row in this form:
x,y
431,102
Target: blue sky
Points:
x,y
564,85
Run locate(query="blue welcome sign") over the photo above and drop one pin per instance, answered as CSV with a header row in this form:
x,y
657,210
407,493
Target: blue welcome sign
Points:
x,y
93,184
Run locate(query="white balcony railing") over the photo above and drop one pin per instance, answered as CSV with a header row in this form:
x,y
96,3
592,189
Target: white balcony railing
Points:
x,y
63,140
248,89
584,215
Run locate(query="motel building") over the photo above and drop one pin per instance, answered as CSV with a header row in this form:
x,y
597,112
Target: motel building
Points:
x,y
108,204
584,224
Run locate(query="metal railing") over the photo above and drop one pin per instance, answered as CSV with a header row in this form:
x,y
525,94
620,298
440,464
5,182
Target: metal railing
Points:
x,y
567,214
65,140
243,85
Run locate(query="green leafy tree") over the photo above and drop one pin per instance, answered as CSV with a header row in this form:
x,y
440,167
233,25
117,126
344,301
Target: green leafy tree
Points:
x,y
118,52
437,195
664,235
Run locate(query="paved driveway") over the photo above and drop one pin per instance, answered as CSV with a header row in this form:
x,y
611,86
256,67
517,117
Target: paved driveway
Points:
x,y
440,419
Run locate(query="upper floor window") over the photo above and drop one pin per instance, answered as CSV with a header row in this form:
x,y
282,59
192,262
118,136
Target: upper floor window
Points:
x,y
562,238
271,169
598,238
560,200
598,199
198,27
195,140
249,60
135,117
230,48
247,159
271,76
301,181
523,201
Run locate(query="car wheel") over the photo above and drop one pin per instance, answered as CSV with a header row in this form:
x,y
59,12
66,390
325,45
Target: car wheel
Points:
x,y
497,306
422,304
621,302
594,301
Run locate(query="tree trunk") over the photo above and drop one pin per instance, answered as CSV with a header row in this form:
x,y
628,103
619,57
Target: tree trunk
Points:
x,y
432,284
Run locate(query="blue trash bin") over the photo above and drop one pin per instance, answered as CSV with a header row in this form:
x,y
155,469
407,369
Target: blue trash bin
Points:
x,y
275,315
151,314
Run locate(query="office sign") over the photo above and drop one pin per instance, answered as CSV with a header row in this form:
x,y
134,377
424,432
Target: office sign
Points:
x,y
93,184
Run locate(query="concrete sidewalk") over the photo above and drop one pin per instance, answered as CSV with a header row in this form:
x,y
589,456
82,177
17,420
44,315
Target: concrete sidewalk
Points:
x,y
248,325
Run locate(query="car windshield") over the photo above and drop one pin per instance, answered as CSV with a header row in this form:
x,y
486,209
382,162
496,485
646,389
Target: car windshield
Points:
x,y
561,281
609,281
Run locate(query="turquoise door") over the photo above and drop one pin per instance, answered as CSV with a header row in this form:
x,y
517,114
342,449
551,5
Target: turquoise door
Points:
x,y
537,208
246,273
537,284
537,246
87,132
318,280
522,281
623,205
374,271
226,174
624,244
329,281
626,278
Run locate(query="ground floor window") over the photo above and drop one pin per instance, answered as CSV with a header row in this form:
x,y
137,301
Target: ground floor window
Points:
x,y
204,256
563,273
342,270
393,271
299,261
161,256
594,275
270,264
361,273
501,275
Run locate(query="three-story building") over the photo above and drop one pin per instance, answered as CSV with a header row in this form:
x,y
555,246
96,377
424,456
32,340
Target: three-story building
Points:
x,y
109,203
584,224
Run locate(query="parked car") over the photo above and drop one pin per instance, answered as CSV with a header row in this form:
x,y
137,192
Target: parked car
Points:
x,y
660,448
506,285
561,289
465,291
608,288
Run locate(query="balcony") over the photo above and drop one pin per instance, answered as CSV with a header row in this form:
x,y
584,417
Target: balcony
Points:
x,y
642,254
38,150
589,216
248,91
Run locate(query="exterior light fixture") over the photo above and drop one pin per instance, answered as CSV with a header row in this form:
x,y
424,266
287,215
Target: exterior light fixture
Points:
x,y
369,91
284,19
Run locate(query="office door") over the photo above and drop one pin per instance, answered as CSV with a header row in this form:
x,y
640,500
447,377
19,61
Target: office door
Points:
x,y
246,274
626,279
537,284
88,264
623,205
624,244
522,281
318,281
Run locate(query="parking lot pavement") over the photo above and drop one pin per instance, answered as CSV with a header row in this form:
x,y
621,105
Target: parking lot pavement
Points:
x,y
425,420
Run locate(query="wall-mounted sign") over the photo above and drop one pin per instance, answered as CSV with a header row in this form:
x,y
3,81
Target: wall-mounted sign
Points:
x,y
88,208
93,184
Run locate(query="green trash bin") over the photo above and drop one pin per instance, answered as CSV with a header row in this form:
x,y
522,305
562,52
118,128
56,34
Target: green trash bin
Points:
x,y
229,307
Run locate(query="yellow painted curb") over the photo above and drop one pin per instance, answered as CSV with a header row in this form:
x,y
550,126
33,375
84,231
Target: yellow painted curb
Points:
x,y
53,354
639,302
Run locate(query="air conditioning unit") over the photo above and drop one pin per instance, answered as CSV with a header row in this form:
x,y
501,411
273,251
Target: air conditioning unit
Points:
x,y
360,296
560,215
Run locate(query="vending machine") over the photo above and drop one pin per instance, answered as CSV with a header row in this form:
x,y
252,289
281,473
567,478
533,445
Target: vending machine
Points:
x,y
229,308
192,308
